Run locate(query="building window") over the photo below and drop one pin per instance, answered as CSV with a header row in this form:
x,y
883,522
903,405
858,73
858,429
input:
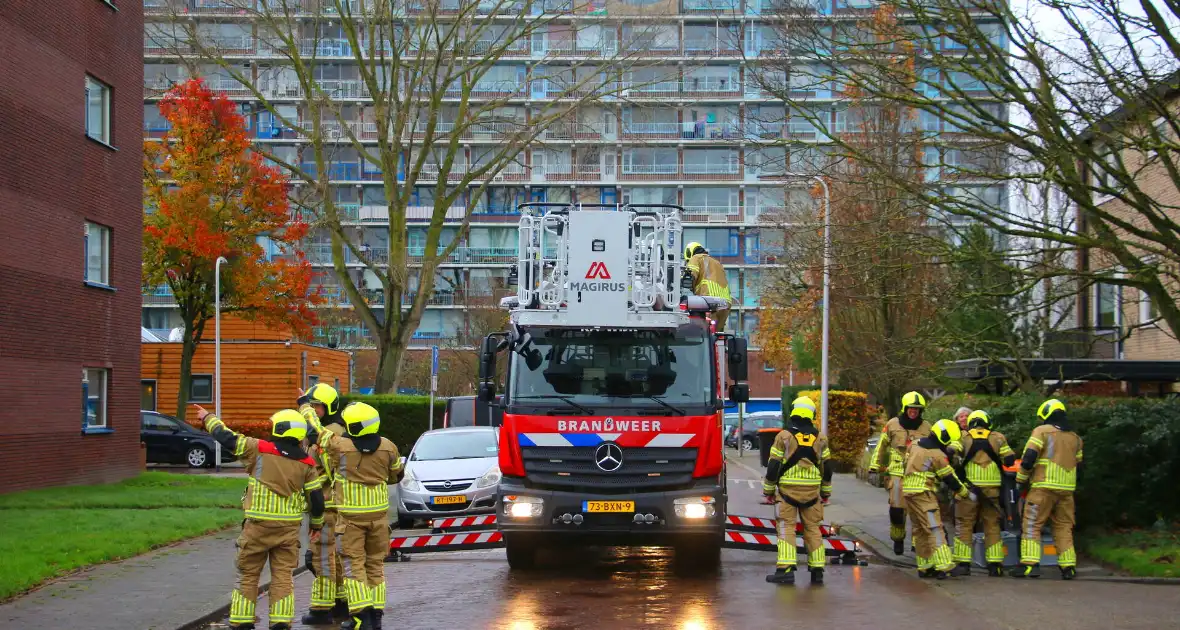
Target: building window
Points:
x,y
201,388
147,395
1106,308
312,380
1148,310
98,110
94,396
97,241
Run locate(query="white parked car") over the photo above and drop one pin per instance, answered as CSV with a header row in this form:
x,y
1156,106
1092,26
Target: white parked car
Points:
x,y
450,472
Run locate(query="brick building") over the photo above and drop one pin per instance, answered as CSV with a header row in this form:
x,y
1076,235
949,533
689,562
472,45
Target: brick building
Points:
x,y
71,206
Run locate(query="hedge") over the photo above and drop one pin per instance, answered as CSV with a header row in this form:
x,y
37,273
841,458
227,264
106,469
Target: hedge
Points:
x,y
403,418
848,422
1132,451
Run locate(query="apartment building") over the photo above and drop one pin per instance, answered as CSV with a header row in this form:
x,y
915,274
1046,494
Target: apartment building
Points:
x,y
689,125
72,210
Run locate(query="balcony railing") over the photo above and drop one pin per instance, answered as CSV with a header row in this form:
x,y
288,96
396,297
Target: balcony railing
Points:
x,y
701,130
707,170
711,6
649,171
652,89
712,85
710,47
651,130
712,214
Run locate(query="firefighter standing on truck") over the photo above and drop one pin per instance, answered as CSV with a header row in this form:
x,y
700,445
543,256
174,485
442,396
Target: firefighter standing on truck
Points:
x,y
1050,463
799,478
283,484
327,589
925,464
896,438
363,465
708,278
985,453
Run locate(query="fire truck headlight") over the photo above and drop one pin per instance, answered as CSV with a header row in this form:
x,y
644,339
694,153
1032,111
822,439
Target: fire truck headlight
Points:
x,y
695,507
517,506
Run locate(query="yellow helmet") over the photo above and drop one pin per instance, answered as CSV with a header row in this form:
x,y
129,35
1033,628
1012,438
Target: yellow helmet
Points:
x,y
1049,407
361,419
327,396
288,423
913,399
803,407
979,419
690,248
946,431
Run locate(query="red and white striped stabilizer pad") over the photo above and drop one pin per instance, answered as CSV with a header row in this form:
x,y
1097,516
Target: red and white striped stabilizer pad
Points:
x,y
446,542
766,542
766,525
464,523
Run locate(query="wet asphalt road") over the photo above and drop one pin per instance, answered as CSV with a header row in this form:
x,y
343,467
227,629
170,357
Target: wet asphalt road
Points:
x,y
641,587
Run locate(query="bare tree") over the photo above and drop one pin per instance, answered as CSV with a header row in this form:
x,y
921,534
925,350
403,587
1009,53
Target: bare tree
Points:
x,y
395,93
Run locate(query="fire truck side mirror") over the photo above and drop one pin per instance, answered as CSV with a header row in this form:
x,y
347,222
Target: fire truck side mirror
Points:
x,y
736,356
739,392
487,361
487,391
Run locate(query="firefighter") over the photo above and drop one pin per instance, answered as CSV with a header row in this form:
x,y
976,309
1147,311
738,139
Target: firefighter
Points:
x,y
985,453
799,479
889,459
925,463
283,484
708,278
327,589
363,465
1050,465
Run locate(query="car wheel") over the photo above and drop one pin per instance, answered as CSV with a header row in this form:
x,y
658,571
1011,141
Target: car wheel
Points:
x,y
748,444
405,522
698,555
522,553
198,457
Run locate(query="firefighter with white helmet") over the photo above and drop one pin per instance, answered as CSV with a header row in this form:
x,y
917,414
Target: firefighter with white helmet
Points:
x,y
708,278
363,465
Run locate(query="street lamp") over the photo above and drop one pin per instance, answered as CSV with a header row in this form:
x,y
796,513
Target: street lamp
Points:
x,y
825,342
217,352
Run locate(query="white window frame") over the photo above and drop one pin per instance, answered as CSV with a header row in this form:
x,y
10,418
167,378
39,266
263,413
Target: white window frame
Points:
x,y
212,389
1145,316
90,231
103,132
1095,310
102,419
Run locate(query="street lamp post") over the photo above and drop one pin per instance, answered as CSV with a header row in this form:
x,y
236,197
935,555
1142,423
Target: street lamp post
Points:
x,y
825,342
217,352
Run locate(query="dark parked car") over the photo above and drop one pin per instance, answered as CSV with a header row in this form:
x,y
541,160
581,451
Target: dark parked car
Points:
x,y
469,411
753,422
170,441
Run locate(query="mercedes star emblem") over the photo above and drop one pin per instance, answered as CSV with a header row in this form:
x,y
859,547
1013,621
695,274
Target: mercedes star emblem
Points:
x,y
608,456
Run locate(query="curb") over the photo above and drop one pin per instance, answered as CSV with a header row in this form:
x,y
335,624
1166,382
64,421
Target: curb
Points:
x,y
875,546
223,611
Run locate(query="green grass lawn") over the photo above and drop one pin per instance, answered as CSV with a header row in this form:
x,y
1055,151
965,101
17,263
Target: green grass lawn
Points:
x,y
1144,553
53,531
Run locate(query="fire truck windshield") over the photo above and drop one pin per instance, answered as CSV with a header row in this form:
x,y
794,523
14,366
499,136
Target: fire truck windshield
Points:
x,y
588,368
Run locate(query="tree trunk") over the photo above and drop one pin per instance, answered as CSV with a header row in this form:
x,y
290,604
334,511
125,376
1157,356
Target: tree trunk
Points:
x,y
188,349
390,355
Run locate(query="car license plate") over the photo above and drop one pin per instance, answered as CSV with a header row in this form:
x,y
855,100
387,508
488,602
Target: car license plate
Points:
x,y
449,499
608,506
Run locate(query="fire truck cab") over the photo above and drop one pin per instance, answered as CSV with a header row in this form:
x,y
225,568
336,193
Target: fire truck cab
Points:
x,y
615,386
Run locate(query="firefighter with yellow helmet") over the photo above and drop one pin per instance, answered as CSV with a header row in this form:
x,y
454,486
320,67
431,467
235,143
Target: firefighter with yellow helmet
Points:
x,y
327,589
363,465
283,485
889,460
708,278
798,479
1050,465
926,463
985,454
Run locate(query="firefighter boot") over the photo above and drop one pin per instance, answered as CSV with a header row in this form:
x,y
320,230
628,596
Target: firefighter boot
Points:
x,y
360,620
995,569
340,609
899,547
1026,571
280,626
244,626
963,568
1069,573
782,576
318,617
817,577
377,615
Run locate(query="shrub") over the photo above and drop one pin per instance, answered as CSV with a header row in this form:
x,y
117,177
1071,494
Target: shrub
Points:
x,y
403,418
848,423
1132,451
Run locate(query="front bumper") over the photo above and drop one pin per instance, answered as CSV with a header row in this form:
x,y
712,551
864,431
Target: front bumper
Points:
x,y
613,528
420,505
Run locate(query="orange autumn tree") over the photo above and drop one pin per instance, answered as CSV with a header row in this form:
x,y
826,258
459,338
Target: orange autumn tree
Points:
x,y
208,195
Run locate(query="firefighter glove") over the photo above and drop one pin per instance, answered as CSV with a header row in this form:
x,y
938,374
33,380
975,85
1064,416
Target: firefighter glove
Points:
x,y
307,563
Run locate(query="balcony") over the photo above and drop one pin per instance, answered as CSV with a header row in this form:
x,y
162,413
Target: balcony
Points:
x,y
712,214
701,130
652,89
159,296
651,130
711,171
649,172
574,131
710,7
712,86
710,47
